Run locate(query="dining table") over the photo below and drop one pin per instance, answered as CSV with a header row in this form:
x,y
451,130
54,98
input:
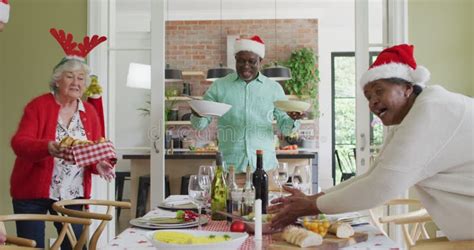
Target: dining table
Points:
x,y
134,237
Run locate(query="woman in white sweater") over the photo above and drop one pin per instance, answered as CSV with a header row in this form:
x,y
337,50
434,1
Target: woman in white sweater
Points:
x,y
429,146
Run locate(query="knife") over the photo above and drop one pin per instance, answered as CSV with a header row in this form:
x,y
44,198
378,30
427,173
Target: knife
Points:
x,y
233,216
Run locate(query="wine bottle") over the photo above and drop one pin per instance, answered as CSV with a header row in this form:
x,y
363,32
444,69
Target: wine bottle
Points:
x,y
232,190
218,190
248,197
260,181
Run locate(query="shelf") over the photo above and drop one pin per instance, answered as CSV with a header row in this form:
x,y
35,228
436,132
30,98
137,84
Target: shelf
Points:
x,y
182,98
301,121
185,98
193,73
170,123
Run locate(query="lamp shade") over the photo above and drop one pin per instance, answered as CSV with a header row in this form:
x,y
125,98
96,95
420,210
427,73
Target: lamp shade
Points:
x,y
277,73
139,76
216,73
173,75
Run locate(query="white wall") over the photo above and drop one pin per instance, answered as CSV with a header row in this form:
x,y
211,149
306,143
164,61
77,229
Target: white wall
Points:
x,y
336,33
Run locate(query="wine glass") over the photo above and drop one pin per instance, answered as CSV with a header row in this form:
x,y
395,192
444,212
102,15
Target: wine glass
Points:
x,y
198,191
300,178
207,170
281,175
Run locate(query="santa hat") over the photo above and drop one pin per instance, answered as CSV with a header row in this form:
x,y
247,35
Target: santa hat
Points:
x,y
255,44
4,11
69,46
396,62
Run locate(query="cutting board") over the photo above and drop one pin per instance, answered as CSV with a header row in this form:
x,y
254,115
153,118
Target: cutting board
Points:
x,y
330,242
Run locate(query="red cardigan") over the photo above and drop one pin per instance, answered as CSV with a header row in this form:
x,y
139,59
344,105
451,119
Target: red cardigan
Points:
x,y
33,170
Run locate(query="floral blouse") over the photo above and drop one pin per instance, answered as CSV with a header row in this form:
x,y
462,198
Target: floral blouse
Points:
x,y
67,182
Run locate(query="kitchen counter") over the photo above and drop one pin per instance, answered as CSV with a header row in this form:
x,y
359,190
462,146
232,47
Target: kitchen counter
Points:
x,y
209,156
179,164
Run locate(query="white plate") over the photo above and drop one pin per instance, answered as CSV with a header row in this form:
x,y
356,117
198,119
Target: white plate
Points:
x,y
292,106
139,223
208,108
235,243
187,206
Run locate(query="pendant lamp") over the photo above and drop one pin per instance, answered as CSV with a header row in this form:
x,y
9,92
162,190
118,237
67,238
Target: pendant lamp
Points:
x,y
221,71
173,75
216,73
277,72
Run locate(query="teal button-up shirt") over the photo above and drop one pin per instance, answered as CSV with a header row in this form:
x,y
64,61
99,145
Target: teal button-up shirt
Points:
x,y
247,126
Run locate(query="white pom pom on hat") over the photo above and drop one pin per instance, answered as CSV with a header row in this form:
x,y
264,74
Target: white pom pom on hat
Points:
x,y
254,44
4,11
396,61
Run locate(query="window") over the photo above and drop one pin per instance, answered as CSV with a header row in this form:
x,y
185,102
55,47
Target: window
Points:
x,y
344,121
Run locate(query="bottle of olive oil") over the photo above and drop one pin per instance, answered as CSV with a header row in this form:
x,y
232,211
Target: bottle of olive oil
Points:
x,y
260,181
232,190
248,197
218,190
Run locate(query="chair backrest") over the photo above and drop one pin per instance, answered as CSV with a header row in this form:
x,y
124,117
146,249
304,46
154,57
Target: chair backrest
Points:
x,y
443,244
67,221
412,223
342,162
60,207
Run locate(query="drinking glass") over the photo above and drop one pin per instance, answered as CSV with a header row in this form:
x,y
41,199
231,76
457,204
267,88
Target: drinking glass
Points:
x,y
205,170
198,192
300,178
281,175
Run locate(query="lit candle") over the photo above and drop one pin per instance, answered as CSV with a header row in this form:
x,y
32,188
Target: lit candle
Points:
x,y
258,219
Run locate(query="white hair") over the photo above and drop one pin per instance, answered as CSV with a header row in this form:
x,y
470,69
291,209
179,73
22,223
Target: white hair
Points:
x,y
69,66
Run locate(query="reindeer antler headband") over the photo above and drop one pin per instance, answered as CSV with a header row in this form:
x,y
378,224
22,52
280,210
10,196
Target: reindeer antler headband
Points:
x,y
69,46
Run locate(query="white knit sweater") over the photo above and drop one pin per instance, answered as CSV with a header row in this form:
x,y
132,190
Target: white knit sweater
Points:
x,y
432,150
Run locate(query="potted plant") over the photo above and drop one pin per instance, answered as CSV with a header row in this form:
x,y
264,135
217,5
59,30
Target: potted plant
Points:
x,y
170,92
305,77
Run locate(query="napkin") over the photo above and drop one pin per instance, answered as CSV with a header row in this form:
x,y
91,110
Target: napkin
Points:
x,y
175,200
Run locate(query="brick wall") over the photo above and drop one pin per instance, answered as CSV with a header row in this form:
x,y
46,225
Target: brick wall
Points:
x,y
200,45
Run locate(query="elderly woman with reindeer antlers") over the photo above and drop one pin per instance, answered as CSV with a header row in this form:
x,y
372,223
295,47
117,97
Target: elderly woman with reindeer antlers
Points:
x,y
40,175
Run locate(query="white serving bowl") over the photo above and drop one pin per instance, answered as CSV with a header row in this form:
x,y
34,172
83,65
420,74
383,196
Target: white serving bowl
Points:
x,y
208,108
292,106
235,243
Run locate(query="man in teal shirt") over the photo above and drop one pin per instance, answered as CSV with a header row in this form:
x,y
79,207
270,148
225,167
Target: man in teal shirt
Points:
x,y
247,126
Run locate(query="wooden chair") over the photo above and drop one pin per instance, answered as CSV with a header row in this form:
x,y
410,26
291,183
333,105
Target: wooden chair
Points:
x,y
345,166
60,207
443,244
31,244
417,219
417,237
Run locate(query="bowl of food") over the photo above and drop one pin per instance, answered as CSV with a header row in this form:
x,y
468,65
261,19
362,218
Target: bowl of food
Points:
x,y
292,106
195,239
208,108
266,224
316,224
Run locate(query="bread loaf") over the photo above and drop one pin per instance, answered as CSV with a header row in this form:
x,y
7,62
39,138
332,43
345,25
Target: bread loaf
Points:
x,y
301,237
69,142
341,230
